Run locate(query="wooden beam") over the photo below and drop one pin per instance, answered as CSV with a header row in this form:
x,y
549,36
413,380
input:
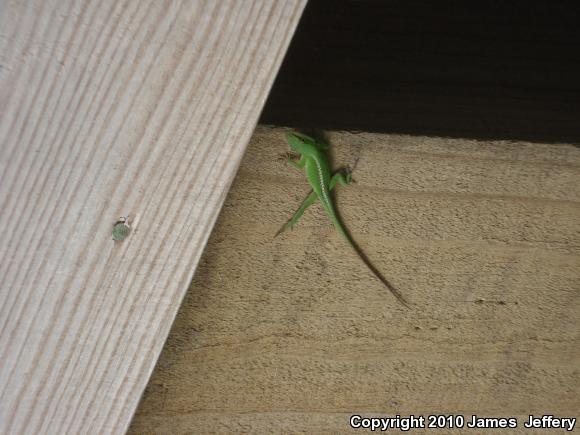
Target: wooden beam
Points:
x,y
294,335
107,109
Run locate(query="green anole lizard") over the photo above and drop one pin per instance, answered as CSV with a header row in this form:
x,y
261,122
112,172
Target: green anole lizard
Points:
x,y
317,167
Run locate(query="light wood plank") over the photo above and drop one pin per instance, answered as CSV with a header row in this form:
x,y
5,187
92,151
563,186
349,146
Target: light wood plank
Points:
x,y
113,108
293,335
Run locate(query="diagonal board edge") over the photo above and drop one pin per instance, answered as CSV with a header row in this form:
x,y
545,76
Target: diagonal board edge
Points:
x,y
108,109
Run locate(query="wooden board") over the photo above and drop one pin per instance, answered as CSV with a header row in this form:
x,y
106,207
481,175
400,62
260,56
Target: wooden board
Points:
x,y
292,334
107,109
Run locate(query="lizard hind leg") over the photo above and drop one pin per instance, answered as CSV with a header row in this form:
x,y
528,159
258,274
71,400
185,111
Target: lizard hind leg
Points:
x,y
310,199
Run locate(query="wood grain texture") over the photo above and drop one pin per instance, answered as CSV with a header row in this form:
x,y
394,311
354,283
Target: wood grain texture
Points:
x,y
113,108
293,335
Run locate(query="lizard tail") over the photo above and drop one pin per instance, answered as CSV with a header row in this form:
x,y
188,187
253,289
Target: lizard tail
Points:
x,y
368,263
380,277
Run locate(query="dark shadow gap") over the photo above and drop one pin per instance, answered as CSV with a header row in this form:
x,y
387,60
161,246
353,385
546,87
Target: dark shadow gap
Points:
x,y
483,70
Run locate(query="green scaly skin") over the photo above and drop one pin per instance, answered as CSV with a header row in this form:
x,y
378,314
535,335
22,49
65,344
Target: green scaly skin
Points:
x,y
317,167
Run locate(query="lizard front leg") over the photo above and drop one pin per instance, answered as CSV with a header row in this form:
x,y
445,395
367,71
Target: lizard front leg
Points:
x,y
343,178
297,164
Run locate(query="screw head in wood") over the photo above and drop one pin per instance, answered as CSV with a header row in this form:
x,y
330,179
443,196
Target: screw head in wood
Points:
x,y
121,229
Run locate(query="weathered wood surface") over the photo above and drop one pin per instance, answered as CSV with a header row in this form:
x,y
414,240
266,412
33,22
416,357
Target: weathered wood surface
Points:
x,y
114,108
293,335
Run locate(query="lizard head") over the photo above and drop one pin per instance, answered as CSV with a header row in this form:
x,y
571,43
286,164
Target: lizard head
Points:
x,y
300,143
